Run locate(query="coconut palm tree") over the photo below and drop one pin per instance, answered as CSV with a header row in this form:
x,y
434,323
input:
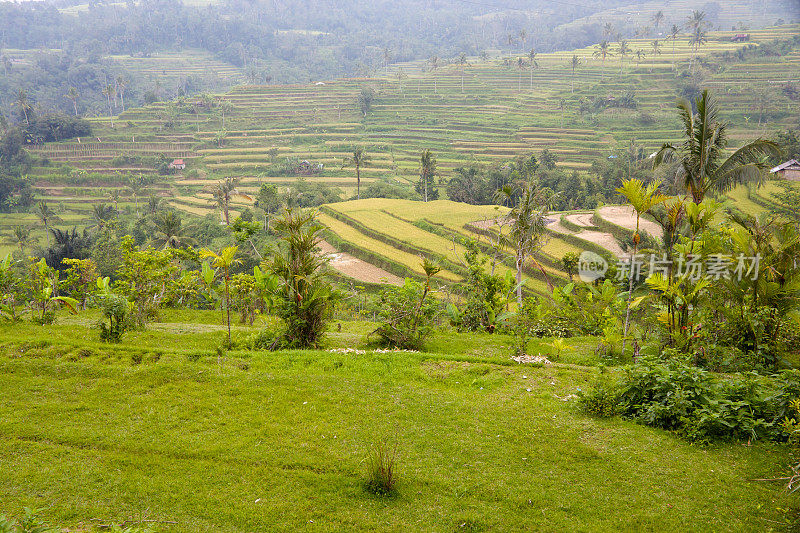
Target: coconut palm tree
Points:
x,y
109,92
170,231
223,192
700,155
359,159
696,24
74,95
23,104
603,51
642,198
462,60
623,50
121,85
658,18
102,214
526,223
47,216
533,63
574,63
22,236
136,185
673,34
223,262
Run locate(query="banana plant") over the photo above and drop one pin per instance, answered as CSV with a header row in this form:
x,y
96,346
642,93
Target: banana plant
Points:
x,y
9,284
43,279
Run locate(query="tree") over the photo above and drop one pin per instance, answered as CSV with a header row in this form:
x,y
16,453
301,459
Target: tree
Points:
x,y
640,54
526,223
23,104
359,159
222,194
169,230
701,167
74,95
269,201
462,61
47,216
574,63
427,173
22,236
562,105
223,262
121,85
696,24
656,47
603,51
109,92
401,75
570,264
673,34
365,99
623,50
102,214
658,18
305,299
136,184
642,198
533,63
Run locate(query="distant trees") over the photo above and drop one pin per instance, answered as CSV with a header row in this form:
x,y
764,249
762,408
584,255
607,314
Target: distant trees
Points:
x,y
73,95
697,33
222,194
574,63
533,64
365,100
109,93
622,50
603,51
23,104
673,34
427,172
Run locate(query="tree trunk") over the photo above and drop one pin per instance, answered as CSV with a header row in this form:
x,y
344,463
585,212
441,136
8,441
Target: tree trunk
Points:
x,y
519,262
630,288
358,183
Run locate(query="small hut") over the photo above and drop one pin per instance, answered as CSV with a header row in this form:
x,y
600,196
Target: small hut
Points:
x,y
789,170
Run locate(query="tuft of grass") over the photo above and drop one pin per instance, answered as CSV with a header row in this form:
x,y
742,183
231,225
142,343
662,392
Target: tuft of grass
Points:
x,y
382,468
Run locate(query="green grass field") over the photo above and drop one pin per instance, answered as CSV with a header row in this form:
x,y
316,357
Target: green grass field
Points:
x,y
96,434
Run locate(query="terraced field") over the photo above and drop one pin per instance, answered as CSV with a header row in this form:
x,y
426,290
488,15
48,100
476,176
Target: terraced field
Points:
x,y
487,110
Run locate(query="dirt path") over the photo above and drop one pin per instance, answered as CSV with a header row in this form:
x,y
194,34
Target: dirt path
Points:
x,y
581,219
356,268
624,215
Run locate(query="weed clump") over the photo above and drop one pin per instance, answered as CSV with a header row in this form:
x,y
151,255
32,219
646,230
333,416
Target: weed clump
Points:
x,y
382,469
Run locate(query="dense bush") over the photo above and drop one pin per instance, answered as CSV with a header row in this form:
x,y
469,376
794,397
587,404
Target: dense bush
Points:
x,y
602,400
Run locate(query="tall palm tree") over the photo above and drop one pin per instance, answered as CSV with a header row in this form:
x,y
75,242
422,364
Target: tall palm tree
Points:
x,y
223,192
47,216
223,262
427,170
527,223
696,24
136,185
102,214
673,34
609,30
170,231
359,159
22,236
623,50
656,47
462,60
153,205
23,103
74,95
121,85
642,198
533,63
603,51
658,18
700,155
574,63
108,92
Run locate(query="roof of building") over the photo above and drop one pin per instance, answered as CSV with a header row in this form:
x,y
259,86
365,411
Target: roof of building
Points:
x,y
178,162
792,163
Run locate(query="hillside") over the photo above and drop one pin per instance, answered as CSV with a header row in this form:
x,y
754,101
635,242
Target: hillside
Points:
x,y
484,110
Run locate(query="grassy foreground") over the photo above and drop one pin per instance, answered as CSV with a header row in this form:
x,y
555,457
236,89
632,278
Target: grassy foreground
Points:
x,y
277,442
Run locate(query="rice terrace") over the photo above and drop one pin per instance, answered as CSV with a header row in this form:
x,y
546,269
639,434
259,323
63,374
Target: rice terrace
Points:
x,y
399,266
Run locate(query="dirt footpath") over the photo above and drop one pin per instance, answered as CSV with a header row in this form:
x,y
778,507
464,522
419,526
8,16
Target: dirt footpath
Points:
x,y
625,216
356,268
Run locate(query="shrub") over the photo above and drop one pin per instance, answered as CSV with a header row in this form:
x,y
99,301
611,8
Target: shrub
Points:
x,y
382,469
602,401
115,310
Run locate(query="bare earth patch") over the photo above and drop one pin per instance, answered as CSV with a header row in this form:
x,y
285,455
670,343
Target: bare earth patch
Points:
x,y
624,215
581,219
356,268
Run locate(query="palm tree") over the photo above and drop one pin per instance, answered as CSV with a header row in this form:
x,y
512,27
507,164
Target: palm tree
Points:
x,y
462,60
401,75
623,50
609,30
656,47
102,214
640,54
527,223
47,216
121,84
153,205
223,192
603,51
574,63
22,236
658,18
696,24
701,167
534,64
673,34
74,95
359,159
169,230
523,36
136,185
224,261
562,105
108,92
23,104
642,199
427,170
